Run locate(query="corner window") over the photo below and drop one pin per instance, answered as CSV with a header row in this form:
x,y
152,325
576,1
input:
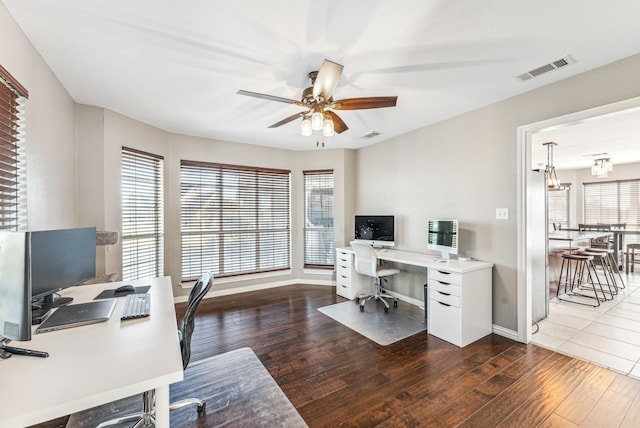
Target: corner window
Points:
x,y
142,215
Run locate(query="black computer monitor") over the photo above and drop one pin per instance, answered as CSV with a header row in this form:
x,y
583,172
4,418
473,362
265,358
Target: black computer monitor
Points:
x,y
60,259
376,230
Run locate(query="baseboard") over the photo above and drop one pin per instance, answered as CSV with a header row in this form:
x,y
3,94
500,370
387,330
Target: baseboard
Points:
x,y
248,288
505,332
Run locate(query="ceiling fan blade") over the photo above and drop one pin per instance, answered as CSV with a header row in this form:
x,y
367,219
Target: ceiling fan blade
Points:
x,y
327,80
268,97
338,124
364,103
288,119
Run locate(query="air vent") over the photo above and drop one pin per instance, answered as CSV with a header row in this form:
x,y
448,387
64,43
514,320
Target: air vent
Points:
x,y
554,65
370,135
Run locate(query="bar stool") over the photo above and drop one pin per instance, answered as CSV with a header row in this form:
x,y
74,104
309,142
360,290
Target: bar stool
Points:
x,y
583,272
613,266
601,258
630,257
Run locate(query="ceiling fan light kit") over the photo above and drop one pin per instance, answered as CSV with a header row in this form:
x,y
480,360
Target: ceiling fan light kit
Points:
x,y
317,120
319,102
305,127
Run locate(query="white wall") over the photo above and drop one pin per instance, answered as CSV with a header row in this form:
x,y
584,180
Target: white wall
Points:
x,y
51,150
466,167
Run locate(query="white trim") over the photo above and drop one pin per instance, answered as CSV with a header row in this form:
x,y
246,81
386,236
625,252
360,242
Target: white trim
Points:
x,y
505,332
237,290
523,160
186,285
318,271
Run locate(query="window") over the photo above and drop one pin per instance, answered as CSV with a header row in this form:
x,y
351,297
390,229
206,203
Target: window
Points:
x,y
13,183
613,202
142,215
318,219
235,220
559,207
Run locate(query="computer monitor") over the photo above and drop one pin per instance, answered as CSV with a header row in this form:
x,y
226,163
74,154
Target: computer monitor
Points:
x,y
442,235
60,259
377,230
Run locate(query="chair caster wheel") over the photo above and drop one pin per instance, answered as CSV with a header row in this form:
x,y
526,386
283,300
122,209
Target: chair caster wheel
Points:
x,y
386,309
357,300
361,308
395,303
202,409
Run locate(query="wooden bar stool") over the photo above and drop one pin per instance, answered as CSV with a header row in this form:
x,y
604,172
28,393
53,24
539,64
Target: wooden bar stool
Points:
x,y
574,272
630,257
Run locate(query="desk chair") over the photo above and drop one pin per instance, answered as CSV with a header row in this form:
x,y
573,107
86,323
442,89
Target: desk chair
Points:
x,y
147,416
367,264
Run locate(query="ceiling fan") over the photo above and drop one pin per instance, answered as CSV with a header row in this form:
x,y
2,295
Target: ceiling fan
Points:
x,y
318,101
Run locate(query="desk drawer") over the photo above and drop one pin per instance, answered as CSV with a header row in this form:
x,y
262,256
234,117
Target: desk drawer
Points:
x,y
444,276
444,287
343,275
443,297
445,322
343,258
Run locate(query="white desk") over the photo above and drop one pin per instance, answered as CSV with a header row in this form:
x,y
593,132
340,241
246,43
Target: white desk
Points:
x,y
95,364
460,292
430,261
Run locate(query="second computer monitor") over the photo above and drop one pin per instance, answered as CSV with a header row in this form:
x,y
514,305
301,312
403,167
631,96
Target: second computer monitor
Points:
x,y
442,235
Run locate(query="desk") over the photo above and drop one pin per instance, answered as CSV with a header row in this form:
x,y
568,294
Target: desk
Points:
x,y
430,261
95,364
460,292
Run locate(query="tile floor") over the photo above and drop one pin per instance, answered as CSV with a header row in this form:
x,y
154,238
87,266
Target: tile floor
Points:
x,y
608,335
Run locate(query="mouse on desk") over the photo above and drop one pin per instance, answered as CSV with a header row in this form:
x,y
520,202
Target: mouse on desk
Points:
x,y
124,289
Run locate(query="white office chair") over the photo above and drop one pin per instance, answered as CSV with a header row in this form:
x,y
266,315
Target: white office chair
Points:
x,y
367,264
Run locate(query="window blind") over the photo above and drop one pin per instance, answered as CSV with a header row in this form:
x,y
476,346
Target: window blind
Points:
x,y
142,214
613,202
559,207
13,183
234,220
318,219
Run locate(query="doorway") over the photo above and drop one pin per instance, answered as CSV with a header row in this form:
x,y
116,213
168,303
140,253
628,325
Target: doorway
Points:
x,y
531,249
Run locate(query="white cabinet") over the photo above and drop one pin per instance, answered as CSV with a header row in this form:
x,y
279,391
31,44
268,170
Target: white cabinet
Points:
x,y
460,305
348,281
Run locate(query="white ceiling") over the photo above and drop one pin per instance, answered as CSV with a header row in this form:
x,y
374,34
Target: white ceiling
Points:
x,y
177,65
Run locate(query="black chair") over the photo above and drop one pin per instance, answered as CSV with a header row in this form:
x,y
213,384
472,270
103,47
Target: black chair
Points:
x,y
147,416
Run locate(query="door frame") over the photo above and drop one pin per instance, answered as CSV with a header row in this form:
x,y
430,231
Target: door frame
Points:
x,y
526,246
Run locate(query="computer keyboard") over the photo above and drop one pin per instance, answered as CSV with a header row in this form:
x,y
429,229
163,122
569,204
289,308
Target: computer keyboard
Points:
x,y
136,306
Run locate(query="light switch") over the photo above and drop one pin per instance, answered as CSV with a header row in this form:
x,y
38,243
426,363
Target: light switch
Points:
x,y
502,213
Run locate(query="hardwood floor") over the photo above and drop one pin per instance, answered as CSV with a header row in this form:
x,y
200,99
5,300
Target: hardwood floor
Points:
x,y
336,377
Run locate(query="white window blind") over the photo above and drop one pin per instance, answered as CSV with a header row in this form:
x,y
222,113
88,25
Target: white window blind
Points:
x,y
616,202
559,207
234,220
13,183
318,219
142,214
